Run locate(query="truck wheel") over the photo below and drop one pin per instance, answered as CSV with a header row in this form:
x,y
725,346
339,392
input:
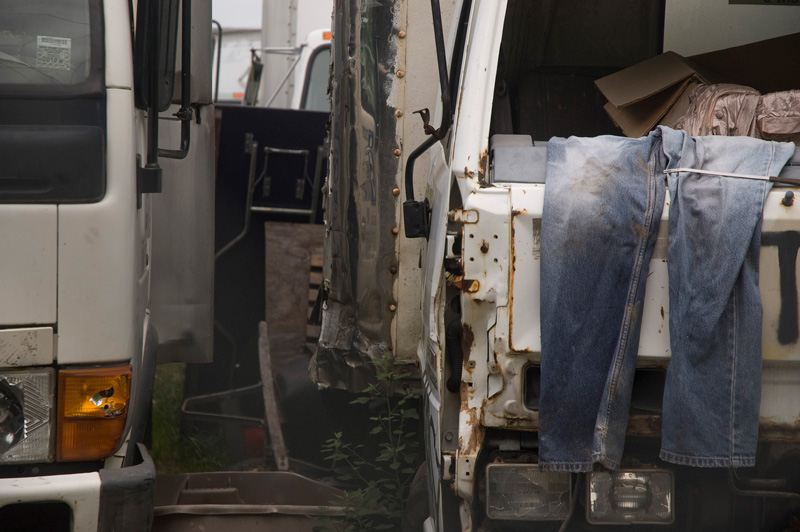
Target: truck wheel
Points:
x,y
416,508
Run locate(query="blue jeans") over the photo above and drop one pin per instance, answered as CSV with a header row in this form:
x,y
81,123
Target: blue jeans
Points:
x,y
603,203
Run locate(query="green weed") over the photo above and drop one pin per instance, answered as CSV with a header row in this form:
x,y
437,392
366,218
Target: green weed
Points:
x,y
382,469
172,451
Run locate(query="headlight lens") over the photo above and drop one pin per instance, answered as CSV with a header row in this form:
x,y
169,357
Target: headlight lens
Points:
x,y
630,496
12,418
521,491
26,405
92,410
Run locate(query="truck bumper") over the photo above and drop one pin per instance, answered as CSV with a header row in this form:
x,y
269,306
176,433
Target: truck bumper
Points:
x,y
109,499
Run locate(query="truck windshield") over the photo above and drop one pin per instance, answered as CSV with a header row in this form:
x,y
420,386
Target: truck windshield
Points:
x,y
45,42
315,97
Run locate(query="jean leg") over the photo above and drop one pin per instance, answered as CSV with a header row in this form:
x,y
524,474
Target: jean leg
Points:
x,y
712,393
603,202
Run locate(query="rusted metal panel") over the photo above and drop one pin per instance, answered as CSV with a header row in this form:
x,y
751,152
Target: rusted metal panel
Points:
x,y
516,329
361,210
464,217
381,73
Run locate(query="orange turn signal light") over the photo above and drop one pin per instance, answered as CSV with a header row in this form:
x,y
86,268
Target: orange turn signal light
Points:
x,y
92,410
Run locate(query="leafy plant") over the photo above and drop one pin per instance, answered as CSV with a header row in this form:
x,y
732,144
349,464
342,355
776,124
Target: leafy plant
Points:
x,y
382,469
172,451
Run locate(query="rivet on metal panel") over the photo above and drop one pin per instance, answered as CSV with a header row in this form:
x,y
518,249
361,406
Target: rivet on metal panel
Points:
x,y
395,230
397,152
401,34
393,270
392,307
400,73
471,364
395,191
398,113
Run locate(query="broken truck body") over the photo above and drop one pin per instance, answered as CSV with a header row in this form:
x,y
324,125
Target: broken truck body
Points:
x,y
519,71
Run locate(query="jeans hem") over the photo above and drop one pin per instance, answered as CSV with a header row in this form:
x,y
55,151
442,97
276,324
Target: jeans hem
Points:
x,y
707,461
569,467
605,461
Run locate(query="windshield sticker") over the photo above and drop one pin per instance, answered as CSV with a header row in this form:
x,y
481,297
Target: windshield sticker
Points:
x,y
53,52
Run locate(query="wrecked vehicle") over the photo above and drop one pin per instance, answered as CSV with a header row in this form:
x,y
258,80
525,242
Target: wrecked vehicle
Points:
x,y
550,399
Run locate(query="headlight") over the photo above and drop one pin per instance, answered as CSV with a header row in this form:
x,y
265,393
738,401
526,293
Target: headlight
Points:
x,y
630,496
26,405
92,409
521,491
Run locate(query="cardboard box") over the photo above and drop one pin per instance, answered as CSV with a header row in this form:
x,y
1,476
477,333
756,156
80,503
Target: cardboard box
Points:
x,y
767,66
655,91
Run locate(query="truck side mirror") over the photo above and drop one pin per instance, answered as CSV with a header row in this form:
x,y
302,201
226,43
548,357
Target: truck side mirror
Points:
x,y
166,27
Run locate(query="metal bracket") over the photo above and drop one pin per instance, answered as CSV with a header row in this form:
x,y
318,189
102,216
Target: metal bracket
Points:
x,y
417,218
425,114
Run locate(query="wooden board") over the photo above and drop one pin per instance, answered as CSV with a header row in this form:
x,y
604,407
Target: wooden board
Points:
x,y
291,284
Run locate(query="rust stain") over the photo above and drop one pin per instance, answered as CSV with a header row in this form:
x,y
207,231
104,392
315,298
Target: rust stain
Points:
x,y
464,393
467,339
465,216
517,212
482,162
662,312
473,444
465,285
513,258
484,247
468,173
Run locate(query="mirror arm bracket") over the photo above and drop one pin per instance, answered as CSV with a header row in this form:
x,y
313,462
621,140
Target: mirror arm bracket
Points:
x,y
185,113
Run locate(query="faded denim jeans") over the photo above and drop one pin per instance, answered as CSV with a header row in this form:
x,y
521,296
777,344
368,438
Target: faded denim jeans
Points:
x,y
603,202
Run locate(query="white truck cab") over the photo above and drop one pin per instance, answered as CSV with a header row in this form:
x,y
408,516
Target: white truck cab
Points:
x,y
527,74
433,246
83,204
